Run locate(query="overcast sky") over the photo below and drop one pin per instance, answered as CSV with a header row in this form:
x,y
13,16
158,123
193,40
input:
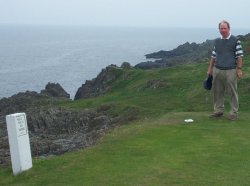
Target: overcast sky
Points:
x,y
149,13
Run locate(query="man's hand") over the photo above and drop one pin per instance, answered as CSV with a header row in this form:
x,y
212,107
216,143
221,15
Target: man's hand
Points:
x,y
239,73
210,71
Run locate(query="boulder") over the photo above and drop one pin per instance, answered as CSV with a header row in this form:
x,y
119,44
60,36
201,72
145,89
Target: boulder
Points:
x,y
55,90
126,65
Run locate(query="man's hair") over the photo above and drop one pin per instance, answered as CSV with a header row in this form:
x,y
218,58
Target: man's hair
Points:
x,y
226,22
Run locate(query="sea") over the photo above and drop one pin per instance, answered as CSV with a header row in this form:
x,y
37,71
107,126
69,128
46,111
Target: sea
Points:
x,y
33,55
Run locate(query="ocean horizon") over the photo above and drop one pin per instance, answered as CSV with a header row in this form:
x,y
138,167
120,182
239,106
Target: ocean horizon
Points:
x,y
32,56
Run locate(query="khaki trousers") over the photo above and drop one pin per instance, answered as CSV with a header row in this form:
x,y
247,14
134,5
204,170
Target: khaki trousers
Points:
x,y
225,81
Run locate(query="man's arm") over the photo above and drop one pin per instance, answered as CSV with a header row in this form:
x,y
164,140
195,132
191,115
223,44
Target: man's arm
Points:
x,y
239,63
210,66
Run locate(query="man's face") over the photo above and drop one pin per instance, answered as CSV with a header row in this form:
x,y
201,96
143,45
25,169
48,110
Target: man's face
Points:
x,y
224,30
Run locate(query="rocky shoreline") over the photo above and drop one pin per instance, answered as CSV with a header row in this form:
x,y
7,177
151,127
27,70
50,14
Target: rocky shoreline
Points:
x,y
53,129
183,54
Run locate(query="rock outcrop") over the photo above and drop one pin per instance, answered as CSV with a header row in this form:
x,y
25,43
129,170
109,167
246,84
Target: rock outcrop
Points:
x,y
152,64
55,90
99,85
186,53
53,129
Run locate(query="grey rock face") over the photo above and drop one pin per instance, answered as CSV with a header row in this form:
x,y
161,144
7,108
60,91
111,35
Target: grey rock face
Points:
x,y
54,130
99,85
55,90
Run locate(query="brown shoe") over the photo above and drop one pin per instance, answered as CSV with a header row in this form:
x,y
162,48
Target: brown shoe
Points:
x,y
216,115
232,117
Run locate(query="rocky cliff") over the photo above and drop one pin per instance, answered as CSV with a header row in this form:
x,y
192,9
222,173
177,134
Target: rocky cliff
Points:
x,y
185,53
53,129
99,85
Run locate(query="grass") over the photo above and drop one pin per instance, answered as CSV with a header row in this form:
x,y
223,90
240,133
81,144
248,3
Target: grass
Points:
x,y
166,151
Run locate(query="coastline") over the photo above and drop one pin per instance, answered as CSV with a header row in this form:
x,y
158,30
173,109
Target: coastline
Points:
x,y
69,56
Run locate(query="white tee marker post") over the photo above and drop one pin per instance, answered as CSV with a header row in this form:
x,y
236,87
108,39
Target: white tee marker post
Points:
x,y
19,142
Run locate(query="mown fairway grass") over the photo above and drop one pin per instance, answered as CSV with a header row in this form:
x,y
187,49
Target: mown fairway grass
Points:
x,y
163,151
158,148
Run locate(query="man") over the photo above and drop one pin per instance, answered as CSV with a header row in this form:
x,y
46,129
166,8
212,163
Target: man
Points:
x,y
225,66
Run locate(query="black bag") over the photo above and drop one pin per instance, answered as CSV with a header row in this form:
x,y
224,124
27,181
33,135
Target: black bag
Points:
x,y
207,84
